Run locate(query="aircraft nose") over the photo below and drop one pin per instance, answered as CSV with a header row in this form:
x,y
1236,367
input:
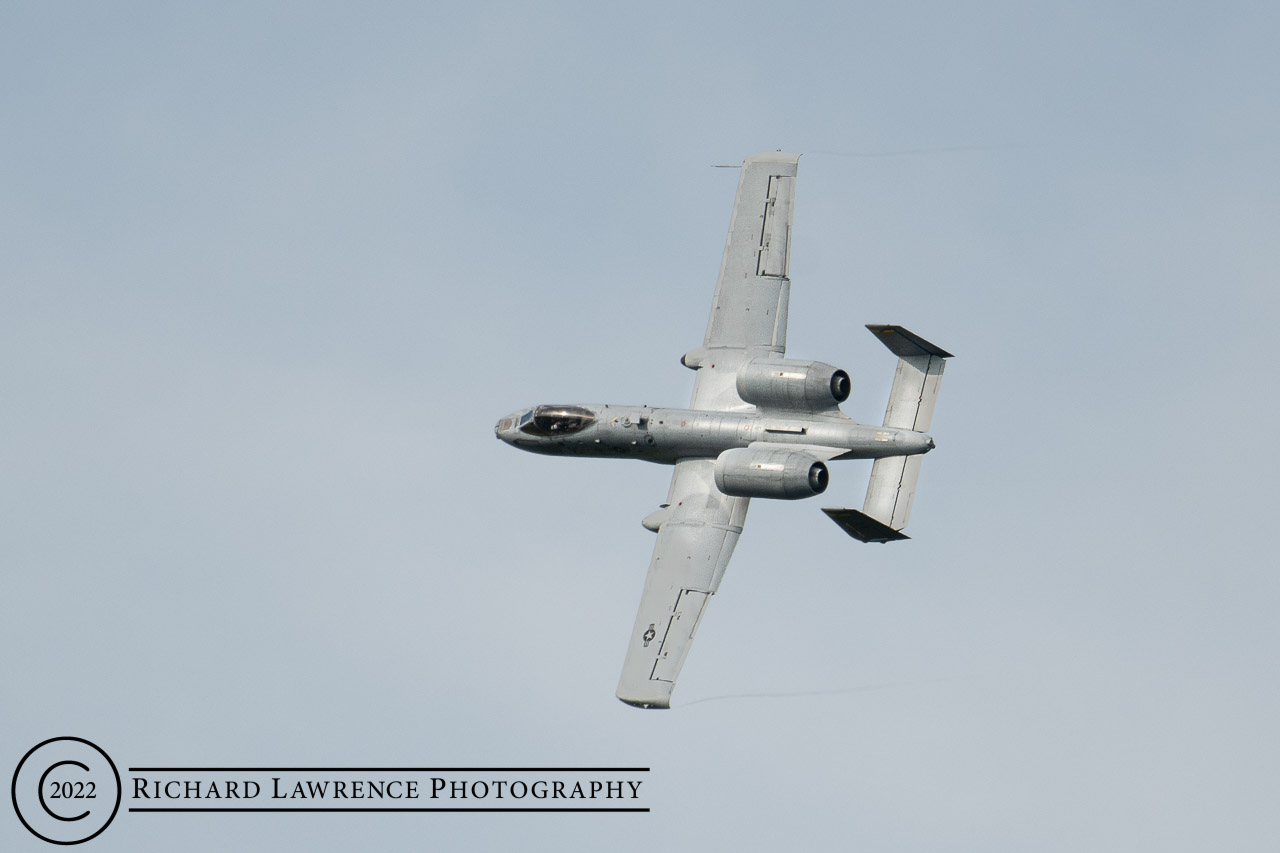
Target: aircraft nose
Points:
x,y
505,429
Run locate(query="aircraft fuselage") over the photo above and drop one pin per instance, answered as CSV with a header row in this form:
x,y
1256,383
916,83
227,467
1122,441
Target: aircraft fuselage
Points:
x,y
668,435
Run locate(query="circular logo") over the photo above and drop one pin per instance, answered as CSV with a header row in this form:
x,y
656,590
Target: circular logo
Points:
x,y
66,790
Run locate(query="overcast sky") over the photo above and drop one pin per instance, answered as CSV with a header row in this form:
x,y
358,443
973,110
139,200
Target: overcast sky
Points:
x,y
270,272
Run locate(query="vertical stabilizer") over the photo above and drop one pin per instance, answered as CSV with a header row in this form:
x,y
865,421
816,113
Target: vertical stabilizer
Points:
x,y
911,401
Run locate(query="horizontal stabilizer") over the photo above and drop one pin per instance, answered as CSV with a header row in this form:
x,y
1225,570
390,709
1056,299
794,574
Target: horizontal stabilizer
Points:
x,y
863,527
892,487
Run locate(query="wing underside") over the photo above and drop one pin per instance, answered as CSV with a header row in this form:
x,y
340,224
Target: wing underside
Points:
x,y
702,525
693,549
749,311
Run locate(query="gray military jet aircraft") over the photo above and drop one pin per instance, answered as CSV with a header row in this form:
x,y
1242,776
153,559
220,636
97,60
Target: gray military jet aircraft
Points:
x,y
759,426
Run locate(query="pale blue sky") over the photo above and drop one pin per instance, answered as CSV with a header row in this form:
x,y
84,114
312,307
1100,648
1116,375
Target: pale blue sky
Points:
x,y
271,271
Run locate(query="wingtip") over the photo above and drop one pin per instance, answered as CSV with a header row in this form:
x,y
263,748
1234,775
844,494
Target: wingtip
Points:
x,y
647,693
650,703
773,157
640,690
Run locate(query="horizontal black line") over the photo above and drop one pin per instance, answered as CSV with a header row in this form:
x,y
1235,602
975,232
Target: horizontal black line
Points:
x,y
375,809
389,769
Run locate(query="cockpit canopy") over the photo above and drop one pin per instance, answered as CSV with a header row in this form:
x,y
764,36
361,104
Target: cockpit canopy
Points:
x,y
556,420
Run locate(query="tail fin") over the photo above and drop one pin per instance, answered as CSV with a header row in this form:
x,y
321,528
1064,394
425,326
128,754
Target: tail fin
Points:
x,y
893,479
915,392
863,527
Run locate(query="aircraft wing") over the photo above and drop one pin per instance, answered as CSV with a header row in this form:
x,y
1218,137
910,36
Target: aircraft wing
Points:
x,y
693,549
749,312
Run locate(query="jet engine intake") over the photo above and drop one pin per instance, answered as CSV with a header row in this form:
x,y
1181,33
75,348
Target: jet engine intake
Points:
x,y
799,386
744,472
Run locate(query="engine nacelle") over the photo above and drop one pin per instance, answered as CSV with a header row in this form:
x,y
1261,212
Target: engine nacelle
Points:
x,y
801,386
785,474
